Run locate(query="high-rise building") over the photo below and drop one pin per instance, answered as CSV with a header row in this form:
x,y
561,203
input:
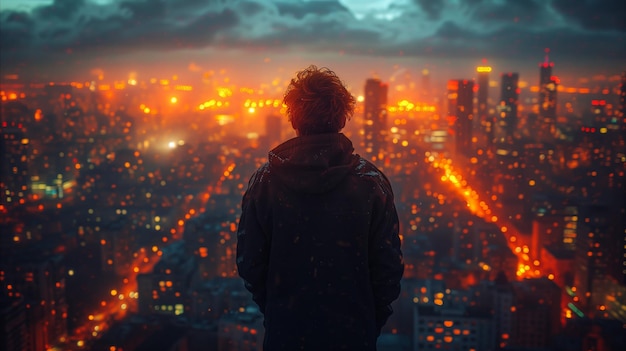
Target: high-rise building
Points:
x,y
41,282
595,255
509,100
482,110
461,111
547,98
164,291
622,102
14,177
375,118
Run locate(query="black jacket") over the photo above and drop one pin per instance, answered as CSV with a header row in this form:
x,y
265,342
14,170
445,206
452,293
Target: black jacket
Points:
x,y
318,246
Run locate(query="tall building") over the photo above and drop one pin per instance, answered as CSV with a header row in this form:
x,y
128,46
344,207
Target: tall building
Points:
x,y
595,258
547,98
375,118
509,100
41,282
482,110
14,177
622,102
165,290
461,111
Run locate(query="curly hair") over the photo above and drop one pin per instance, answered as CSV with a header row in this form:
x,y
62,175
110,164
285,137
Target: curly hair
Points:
x,y
318,102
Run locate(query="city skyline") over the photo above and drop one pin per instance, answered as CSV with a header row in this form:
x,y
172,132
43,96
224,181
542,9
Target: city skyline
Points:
x,y
102,185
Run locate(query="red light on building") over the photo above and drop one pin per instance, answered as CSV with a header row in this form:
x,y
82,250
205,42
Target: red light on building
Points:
x,y
598,102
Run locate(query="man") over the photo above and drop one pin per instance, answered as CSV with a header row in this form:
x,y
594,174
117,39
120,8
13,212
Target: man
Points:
x,y
317,243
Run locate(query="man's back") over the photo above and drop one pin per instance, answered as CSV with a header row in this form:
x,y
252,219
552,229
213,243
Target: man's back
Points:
x,y
318,244
324,212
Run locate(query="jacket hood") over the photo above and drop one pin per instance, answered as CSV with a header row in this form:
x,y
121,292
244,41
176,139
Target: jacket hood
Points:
x,y
313,163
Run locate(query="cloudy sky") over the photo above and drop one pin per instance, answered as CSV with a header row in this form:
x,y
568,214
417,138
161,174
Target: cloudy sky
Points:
x,y
361,38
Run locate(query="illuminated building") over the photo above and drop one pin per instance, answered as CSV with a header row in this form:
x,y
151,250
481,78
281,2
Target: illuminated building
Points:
x,y
164,291
116,246
509,101
597,257
461,111
210,239
466,242
482,111
423,292
558,263
509,172
547,99
14,176
41,282
554,224
452,328
622,102
375,119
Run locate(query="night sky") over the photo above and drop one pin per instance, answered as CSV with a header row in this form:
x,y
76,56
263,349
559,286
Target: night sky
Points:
x,y
70,38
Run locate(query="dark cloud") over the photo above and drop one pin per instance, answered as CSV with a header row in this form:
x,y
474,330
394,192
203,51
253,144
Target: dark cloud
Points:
x,y
536,13
16,31
146,10
60,9
432,8
301,9
603,15
81,29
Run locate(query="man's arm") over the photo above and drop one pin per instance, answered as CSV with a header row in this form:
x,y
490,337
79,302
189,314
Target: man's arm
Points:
x,y
252,250
386,263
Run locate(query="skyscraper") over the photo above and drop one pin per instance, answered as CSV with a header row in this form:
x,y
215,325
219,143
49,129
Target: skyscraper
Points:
x,y
482,111
509,100
14,177
375,118
461,106
547,97
622,102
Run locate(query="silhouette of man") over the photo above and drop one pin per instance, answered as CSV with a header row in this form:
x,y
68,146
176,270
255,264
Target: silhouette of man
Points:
x,y
317,242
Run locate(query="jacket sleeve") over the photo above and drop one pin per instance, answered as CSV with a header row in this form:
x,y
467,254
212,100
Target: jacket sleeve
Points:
x,y
386,262
252,249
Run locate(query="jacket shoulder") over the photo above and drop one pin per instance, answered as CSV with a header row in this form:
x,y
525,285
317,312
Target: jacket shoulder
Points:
x,y
367,171
260,176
